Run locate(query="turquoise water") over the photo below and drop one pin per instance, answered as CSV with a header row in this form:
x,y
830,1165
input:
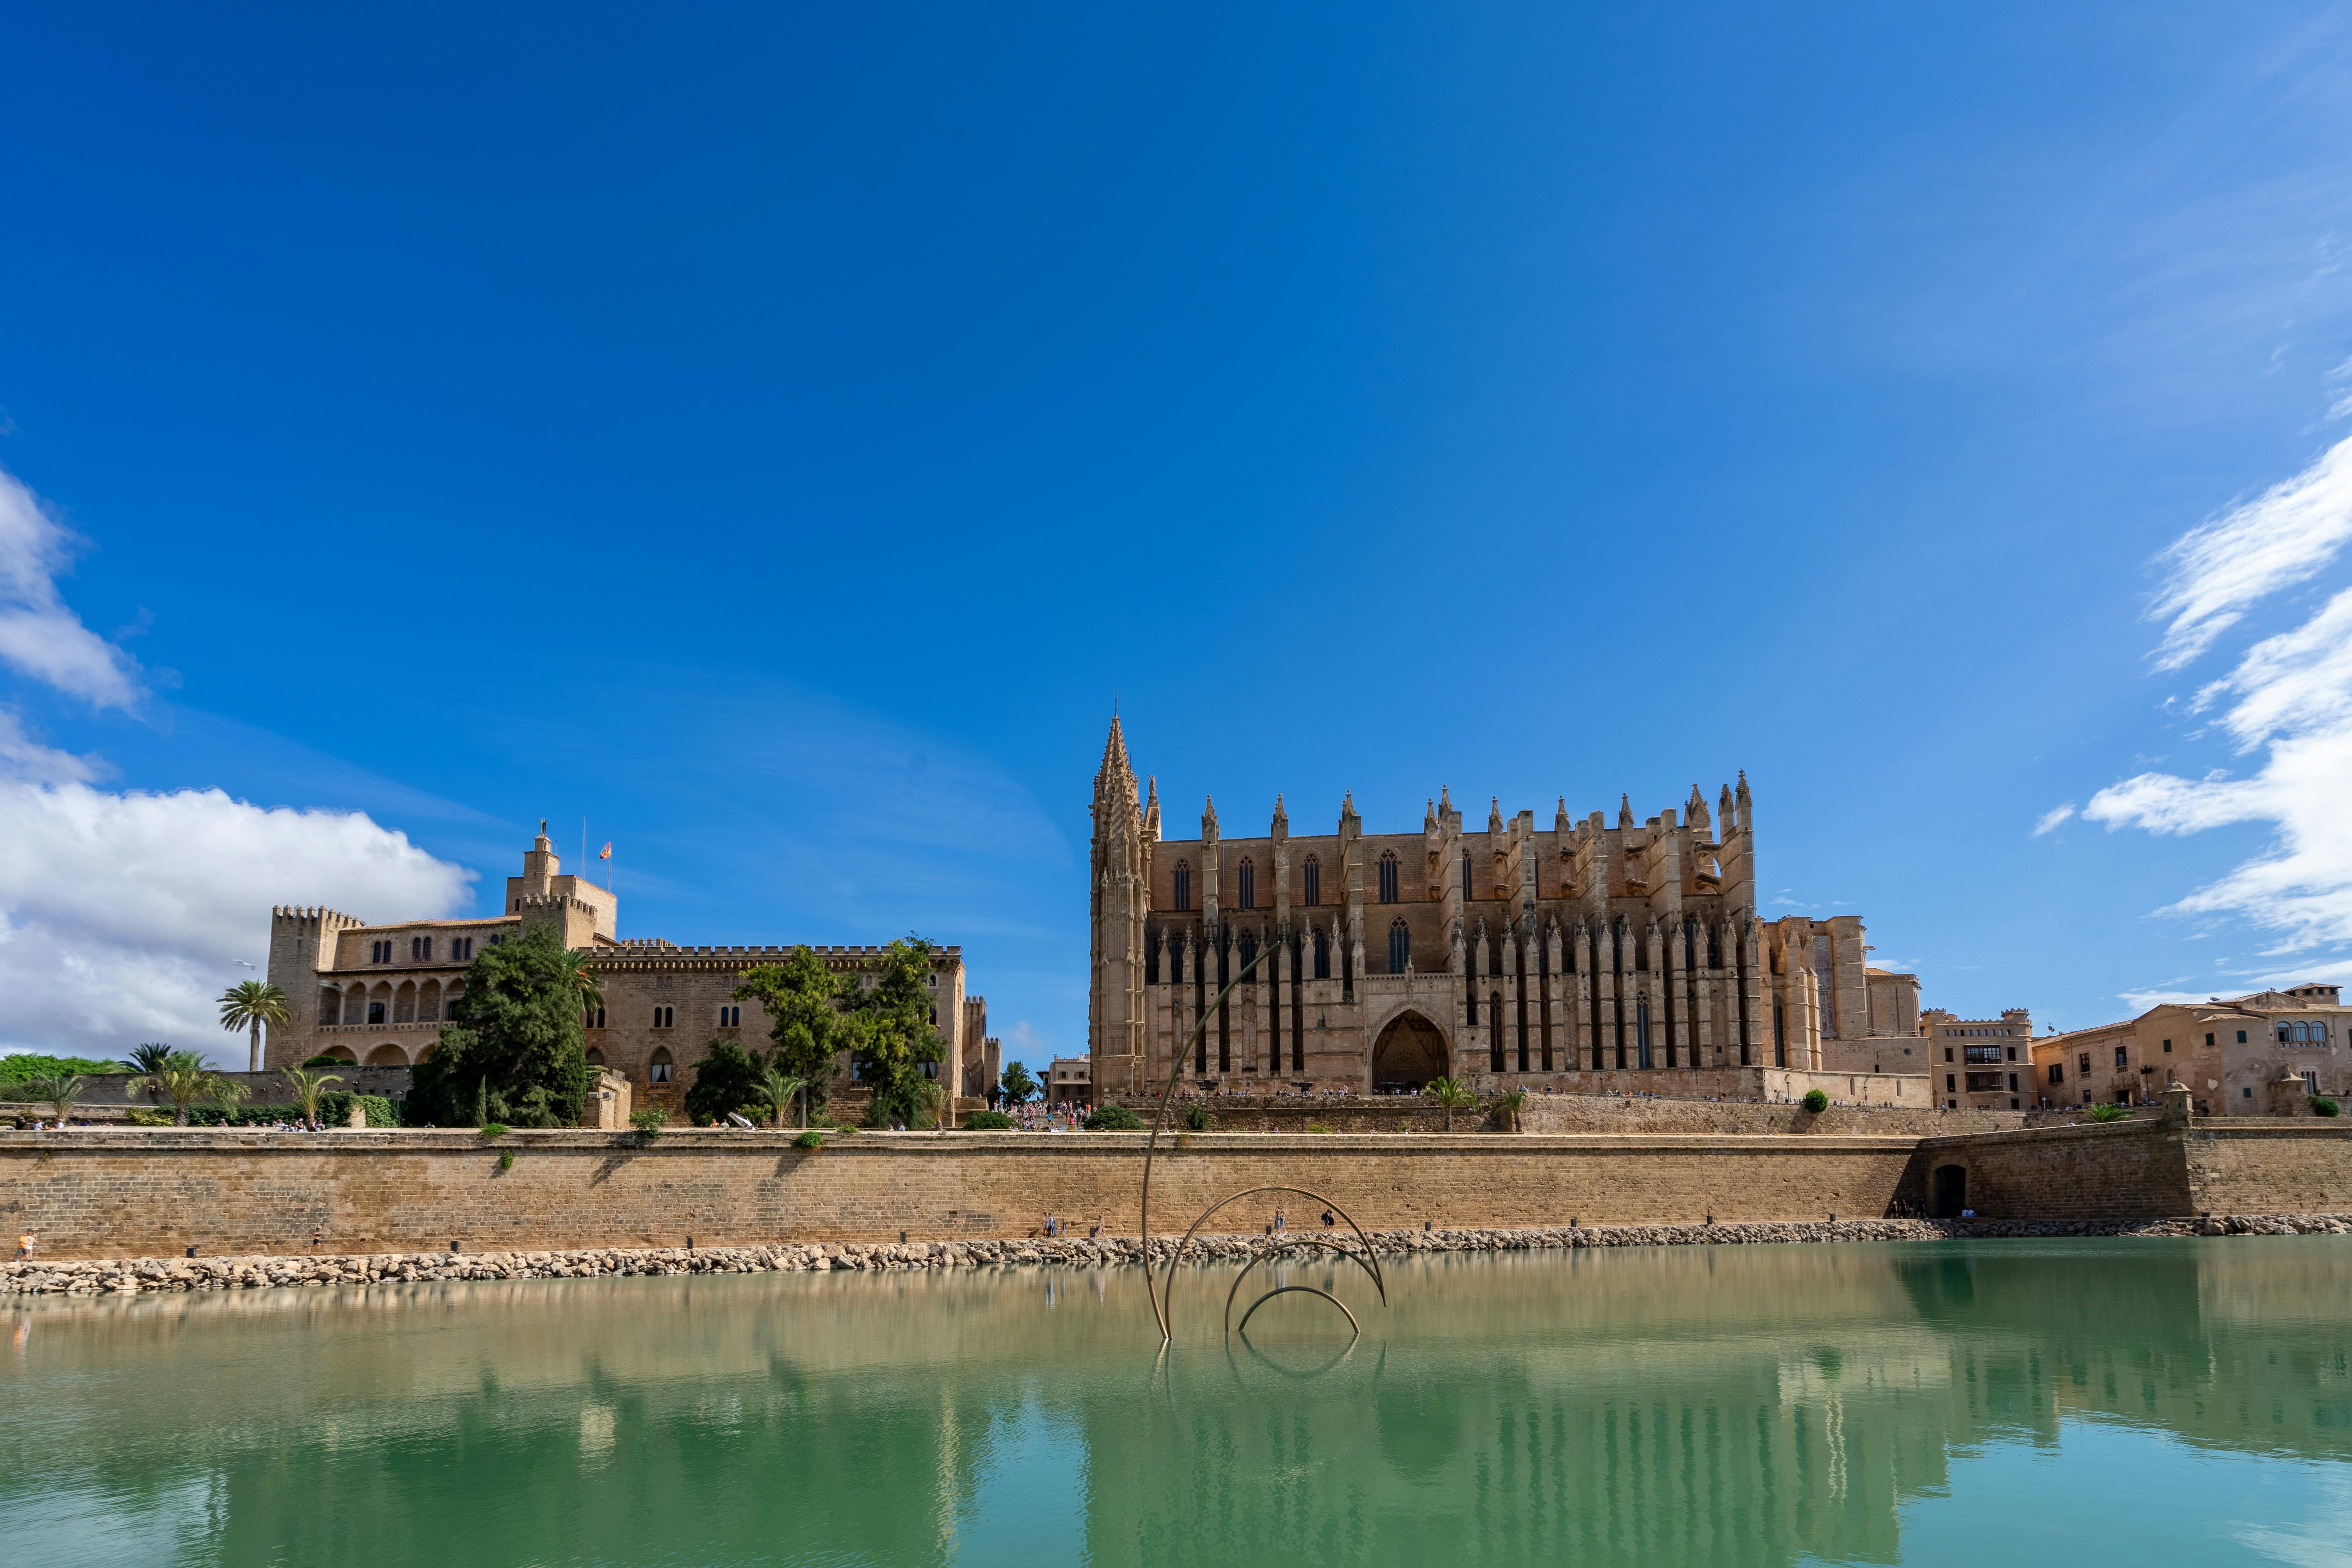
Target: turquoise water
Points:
x,y
2150,1401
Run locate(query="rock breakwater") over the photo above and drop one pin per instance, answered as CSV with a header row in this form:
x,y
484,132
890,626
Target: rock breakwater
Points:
x,y
143,1275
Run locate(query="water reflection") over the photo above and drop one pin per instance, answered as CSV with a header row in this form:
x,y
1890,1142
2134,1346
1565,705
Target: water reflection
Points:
x,y
1750,1405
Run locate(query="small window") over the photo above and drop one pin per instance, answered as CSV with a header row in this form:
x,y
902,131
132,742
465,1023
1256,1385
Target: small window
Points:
x,y
2057,1072
594,1018
1465,877
731,1017
1322,956
2167,1047
461,948
1245,884
657,1071
1388,877
2241,1040
1400,947
664,1017
2083,1063
376,1009
935,1016
1314,879
2119,1057
1952,1083
595,1056
1183,885
2208,1041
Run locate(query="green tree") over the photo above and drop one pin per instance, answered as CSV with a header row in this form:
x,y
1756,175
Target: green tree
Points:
x,y
185,1079
1016,1083
248,1005
891,1035
516,1048
1451,1095
148,1057
728,1078
19,1065
308,1087
1508,1106
806,1025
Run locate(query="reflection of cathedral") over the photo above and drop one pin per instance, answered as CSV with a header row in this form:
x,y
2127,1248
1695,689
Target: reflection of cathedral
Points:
x,y
1507,955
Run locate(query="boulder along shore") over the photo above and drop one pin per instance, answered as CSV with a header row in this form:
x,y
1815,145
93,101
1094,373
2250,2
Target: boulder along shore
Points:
x,y
134,1276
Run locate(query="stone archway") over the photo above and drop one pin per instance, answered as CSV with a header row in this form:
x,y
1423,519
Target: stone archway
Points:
x,y
1410,1052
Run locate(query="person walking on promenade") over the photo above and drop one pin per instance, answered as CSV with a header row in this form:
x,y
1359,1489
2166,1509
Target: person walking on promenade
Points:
x,y
25,1247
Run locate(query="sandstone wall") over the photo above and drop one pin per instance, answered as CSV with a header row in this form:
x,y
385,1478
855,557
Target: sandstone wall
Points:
x,y
157,1193
112,1194
2122,1169
2291,1167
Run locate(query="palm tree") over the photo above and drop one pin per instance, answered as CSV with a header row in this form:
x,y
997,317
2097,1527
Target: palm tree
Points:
x,y
248,1005
1451,1095
308,1087
148,1057
583,980
779,1089
1508,1106
58,1092
185,1079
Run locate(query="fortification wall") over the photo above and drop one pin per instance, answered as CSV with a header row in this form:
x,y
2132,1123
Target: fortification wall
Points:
x,y
112,1194
129,1193
2122,1169
2290,1167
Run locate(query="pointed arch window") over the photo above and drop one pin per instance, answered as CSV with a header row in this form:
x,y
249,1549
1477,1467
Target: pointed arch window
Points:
x,y
1313,877
1245,884
1400,947
1322,956
657,1071
1183,884
1466,894
1248,953
1388,877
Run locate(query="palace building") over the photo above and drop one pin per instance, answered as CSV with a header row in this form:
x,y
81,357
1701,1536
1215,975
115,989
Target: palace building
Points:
x,y
379,995
1587,957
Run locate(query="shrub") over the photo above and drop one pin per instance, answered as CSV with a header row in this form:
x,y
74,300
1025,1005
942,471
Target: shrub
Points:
x,y
494,1129
811,1139
506,1161
2109,1112
323,1060
1816,1101
2323,1106
1319,1127
1113,1118
1196,1117
649,1121
987,1122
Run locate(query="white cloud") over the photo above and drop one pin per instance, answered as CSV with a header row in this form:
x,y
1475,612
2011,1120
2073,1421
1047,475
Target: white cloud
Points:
x,y
122,915
2050,819
39,636
22,757
2290,695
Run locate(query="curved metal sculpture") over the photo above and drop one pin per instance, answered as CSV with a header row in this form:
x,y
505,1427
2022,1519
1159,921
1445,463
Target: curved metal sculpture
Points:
x,y
1162,1291
1364,1261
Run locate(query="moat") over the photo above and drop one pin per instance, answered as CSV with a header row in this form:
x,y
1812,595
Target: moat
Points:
x,y
2157,1401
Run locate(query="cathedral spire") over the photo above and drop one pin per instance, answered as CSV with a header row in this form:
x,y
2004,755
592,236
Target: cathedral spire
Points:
x,y
1624,811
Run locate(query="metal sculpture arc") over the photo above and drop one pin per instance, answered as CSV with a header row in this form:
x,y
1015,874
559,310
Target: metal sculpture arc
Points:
x,y
1161,1286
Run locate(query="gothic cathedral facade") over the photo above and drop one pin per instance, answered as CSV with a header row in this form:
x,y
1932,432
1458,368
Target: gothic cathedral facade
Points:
x,y
1586,958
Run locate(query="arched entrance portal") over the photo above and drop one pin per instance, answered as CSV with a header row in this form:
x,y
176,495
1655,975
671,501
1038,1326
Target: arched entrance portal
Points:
x,y
1410,1053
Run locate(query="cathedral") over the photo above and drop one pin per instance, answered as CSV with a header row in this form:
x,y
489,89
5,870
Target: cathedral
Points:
x,y
1589,957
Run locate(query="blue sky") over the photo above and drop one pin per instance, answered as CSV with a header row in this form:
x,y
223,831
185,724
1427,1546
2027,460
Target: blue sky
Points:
x,y
780,436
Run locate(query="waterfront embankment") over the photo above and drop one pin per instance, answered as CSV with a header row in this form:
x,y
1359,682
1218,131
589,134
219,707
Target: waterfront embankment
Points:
x,y
135,1276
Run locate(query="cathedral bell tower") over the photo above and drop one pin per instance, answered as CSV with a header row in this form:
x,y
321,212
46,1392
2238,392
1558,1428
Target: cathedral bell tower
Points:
x,y
1121,866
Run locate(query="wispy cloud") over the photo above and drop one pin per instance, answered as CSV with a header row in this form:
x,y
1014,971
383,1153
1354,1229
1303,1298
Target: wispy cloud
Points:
x,y
2290,694
40,636
2050,819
